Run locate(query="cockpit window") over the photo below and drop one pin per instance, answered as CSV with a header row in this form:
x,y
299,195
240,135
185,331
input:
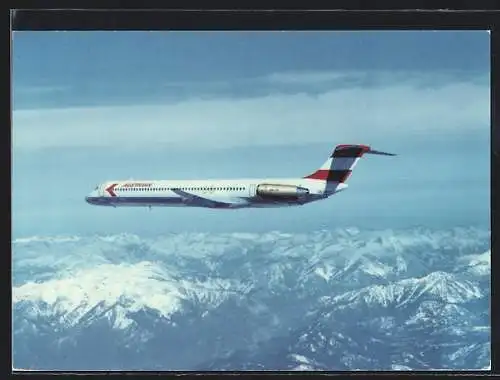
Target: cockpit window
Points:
x,y
97,188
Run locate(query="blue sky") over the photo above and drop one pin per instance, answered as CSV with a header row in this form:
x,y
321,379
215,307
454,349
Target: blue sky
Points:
x,y
96,106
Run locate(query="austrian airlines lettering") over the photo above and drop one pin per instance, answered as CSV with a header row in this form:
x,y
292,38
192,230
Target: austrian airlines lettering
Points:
x,y
137,185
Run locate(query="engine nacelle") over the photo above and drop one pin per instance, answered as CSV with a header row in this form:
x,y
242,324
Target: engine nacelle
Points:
x,y
281,191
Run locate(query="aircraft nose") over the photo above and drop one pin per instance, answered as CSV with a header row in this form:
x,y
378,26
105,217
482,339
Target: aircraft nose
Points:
x,y
91,197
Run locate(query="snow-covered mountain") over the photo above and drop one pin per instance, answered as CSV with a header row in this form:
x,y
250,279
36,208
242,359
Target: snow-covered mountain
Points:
x,y
343,299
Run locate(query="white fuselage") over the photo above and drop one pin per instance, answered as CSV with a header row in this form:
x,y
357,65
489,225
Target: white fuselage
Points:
x,y
223,193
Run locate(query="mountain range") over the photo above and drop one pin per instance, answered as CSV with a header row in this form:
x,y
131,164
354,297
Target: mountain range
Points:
x,y
346,299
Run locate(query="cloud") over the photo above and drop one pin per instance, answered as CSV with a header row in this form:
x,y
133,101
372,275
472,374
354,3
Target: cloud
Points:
x,y
381,78
348,112
308,78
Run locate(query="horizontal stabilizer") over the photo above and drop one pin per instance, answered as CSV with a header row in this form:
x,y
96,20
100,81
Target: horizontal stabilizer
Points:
x,y
371,151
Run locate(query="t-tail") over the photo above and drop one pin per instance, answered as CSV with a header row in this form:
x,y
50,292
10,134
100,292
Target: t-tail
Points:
x,y
340,164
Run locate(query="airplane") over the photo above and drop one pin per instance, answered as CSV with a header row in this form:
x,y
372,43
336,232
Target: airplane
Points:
x,y
329,179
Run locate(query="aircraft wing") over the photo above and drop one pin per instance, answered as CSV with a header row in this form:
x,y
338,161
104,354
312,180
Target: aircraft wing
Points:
x,y
210,201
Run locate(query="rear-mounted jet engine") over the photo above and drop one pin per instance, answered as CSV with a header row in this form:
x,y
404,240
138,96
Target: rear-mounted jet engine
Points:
x,y
272,191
